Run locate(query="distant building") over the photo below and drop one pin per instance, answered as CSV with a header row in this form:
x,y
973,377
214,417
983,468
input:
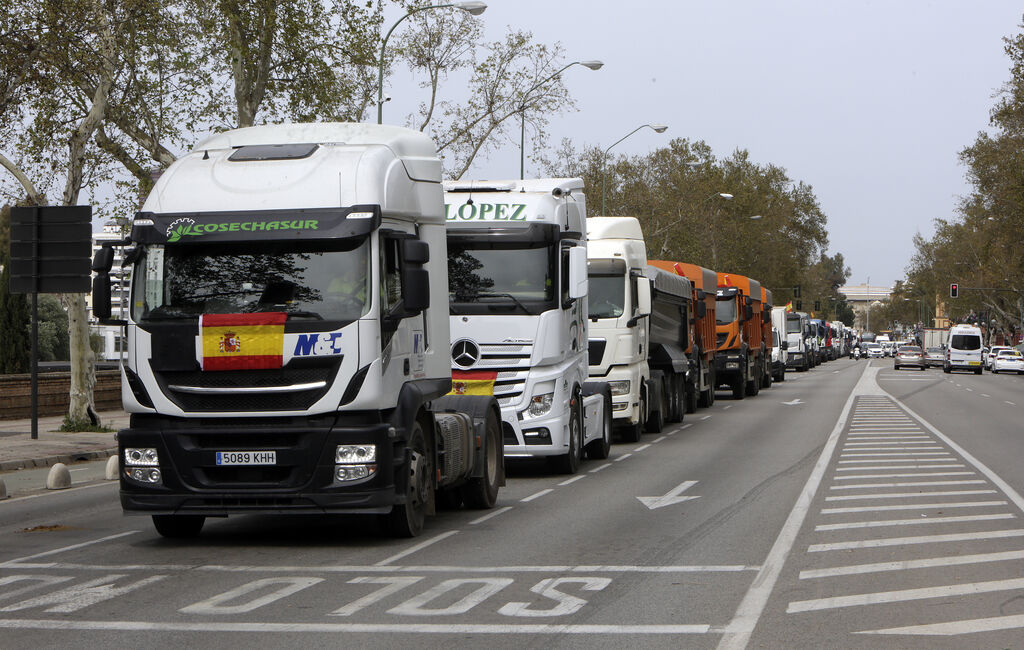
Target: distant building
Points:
x,y
859,296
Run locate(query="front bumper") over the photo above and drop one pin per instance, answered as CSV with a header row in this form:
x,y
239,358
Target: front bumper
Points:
x,y
300,482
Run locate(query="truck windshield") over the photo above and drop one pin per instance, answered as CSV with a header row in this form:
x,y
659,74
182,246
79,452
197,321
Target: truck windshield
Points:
x,y
509,276
606,294
306,280
793,326
725,309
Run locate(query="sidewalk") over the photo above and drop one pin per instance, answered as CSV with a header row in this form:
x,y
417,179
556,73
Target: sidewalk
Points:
x,y
19,451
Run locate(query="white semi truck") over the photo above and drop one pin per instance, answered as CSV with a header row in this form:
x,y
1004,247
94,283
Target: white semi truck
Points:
x,y
288,341
517,294
799,341
640,328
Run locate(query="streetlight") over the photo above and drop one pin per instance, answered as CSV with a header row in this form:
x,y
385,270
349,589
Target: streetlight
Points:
x,y
593,65
473,8
658,128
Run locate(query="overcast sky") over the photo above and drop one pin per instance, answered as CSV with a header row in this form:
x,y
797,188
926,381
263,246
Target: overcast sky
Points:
x,y
867,101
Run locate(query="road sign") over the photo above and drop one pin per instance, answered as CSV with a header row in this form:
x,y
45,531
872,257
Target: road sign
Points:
x,y
51,248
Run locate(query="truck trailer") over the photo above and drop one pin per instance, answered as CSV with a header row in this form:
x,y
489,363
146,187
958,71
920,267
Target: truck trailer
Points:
x,y
517,295
288,337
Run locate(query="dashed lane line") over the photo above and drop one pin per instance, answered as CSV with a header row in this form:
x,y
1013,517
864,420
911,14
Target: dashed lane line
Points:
x,y
573,479
491,515
536,495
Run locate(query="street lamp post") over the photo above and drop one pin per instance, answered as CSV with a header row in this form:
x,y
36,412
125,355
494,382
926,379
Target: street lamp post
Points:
x,y
593,65
658,128
473,8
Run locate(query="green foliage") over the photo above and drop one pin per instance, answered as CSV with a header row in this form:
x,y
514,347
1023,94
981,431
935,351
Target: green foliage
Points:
x,y
980,248
675,192
54,339
76,426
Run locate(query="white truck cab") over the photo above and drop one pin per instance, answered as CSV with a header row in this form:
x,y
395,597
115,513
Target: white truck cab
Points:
x,y
517,295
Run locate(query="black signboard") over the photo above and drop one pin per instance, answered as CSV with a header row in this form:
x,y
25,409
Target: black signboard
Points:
x,y
51,249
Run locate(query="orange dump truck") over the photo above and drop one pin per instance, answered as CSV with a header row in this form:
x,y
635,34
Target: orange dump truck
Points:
x,y
701,352
767,304
741,357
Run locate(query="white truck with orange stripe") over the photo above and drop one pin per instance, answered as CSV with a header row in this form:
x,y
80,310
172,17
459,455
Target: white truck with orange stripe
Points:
x,y
517,292
288,341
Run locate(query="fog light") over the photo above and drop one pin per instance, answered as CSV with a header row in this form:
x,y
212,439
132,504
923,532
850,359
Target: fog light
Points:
x,y
145,457
355,454
354,472
143,474
620,407
732,365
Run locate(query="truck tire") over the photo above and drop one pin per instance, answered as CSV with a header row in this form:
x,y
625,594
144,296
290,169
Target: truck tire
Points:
x,y
569,462
693,396
676,399
707,396
754,383
602,447
633,432
482,493
178,526
739,385
656,419
406,519
977,371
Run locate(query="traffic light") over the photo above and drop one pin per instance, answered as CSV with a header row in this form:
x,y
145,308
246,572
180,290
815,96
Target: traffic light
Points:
x,y
954,290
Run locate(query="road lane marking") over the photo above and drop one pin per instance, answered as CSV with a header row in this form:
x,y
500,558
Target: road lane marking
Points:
x,y
913,522
622,457
706,417
904,595
894,446
418,547
906,495
985,395
642,447
599,468
919,539
912,454
411,568
727,407
740,628
686,426
1009,402
499,511
573,479
899,460
906,484
536,495
657,440
854,477
914,506
954,628
906,565
67,548
859,469
353,628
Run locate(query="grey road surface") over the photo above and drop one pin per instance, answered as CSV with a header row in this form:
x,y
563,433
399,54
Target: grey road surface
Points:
x,y
850,506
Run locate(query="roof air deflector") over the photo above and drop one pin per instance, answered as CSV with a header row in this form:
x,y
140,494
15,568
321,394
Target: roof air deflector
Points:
x,y
262,152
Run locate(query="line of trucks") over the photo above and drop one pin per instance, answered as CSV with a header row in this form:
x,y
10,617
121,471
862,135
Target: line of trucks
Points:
x,y
318,324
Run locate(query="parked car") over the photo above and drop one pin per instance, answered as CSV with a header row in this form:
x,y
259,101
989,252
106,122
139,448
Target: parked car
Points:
x,y
909,355
992,353
1008,360
875,351
934,357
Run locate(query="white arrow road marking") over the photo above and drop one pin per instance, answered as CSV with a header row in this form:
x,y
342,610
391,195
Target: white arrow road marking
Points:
x,y
793,402
671,497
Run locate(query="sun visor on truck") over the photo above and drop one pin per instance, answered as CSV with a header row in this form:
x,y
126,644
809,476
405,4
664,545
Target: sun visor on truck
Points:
x,y
262,225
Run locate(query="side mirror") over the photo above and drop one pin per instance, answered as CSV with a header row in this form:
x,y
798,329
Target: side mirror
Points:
x,y
766,316
103,261
415,251
748,313
415,279
643,295
101,292
784,345
702,309
577,272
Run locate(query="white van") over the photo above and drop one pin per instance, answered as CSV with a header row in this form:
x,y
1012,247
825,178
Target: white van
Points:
x,y
964,349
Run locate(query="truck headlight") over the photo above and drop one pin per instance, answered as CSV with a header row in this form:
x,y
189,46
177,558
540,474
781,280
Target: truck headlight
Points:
x,y
355,454
541,404
145,457
619,387
354,462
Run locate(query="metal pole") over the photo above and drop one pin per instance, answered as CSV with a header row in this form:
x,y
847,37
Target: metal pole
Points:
x,y
34,406
522,144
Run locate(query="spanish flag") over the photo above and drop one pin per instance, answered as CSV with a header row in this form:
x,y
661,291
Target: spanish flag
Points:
x,y
242,341
789,306
473,382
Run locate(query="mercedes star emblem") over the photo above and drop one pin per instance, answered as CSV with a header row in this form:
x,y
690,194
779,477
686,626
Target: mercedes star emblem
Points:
x,y
465,353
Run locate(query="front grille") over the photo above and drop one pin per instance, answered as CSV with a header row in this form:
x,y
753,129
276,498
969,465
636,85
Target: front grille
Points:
x,y
244,475
249,402
512,362
596,350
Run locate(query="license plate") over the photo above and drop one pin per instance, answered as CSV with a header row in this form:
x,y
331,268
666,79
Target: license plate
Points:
x,y
246,457
974,363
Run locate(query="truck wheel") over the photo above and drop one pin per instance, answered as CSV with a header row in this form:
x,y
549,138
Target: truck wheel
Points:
x,y
977,371
739,385
178,526
482,493
656,419
676,398
754,383
602,447
633,432
569,463
406,519
692,397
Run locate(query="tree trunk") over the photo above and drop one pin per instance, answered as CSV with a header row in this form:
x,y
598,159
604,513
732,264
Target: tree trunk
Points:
x,y
82,408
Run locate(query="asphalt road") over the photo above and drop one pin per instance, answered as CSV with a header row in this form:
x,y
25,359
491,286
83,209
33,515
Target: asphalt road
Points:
x,y
850,506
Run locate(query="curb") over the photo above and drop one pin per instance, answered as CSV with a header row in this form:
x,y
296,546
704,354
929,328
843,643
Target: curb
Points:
x,y
47,461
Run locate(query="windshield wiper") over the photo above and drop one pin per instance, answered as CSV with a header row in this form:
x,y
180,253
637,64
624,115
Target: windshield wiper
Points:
x,y
495,294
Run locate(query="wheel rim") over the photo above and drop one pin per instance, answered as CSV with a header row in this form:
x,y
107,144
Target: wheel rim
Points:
x,y
418,482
